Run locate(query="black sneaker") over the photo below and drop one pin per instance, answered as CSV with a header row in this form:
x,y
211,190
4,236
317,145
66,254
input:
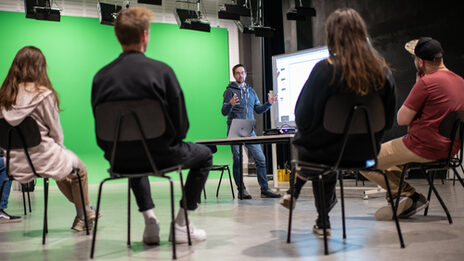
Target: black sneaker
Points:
x,y
417,206
245,195
269,194
7,218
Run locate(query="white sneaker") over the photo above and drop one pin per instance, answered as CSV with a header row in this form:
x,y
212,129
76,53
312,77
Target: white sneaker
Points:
x,y
385,213
151,232
196,234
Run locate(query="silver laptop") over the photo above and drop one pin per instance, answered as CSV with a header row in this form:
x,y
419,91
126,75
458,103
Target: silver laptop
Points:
x,y
241,128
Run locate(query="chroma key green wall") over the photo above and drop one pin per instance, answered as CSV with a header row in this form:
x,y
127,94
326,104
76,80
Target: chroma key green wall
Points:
x,y
77,47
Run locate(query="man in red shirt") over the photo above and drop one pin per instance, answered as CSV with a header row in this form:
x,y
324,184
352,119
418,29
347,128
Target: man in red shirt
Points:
x,y
437,92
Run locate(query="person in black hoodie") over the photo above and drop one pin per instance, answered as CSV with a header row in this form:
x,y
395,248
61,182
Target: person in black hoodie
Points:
x,y
353,66
134,76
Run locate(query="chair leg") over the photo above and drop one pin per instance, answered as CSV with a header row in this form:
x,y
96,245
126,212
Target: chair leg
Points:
x,y
128,213
184,202
291,181
94,237
29,201
342,204
45,221
324,213
204,191
456,174
23,188
450,220
230,182
429,194
219,184
394,207
173,230
83,202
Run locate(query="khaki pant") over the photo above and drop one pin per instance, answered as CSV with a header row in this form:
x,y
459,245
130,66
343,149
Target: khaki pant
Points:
x,y
69,186
392,156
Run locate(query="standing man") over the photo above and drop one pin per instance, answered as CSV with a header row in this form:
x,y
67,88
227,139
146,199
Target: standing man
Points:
x,y
240,102
437,92
134,76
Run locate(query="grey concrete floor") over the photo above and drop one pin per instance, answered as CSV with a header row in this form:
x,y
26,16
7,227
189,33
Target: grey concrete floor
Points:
x,y
237,230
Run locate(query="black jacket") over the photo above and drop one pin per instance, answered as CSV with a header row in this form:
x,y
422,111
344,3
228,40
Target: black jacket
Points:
x,y
313,142
134,76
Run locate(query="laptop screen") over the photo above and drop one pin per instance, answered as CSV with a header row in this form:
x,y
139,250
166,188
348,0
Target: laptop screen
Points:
x,y
241,128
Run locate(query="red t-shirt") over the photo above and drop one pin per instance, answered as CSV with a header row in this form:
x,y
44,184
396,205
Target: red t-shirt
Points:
x,y
433,97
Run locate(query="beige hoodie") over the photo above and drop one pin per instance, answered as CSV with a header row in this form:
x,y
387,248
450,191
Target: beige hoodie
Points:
x,y
50,158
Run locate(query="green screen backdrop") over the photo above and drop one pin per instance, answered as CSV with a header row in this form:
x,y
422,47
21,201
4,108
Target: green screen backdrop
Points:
x,y
77,47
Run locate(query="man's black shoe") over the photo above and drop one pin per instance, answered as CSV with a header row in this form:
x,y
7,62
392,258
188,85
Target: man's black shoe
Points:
x,y
245,195
269,194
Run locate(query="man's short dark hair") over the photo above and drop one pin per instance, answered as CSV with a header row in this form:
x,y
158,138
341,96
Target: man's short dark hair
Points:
x,y
236,66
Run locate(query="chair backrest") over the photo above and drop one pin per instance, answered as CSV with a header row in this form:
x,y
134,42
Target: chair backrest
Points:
x,y
131,121
349,114
452,127
340,108
24,135
148,113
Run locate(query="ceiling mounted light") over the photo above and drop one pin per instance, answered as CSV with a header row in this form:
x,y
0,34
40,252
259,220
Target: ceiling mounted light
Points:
x,y
253,24
150,2
41,10
191,19
300,12
107,13
234,11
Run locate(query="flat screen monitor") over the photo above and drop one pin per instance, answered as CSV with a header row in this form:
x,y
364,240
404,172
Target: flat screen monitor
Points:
x,y
290,72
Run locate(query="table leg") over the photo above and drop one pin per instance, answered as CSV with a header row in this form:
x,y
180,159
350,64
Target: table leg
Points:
x,y
241,171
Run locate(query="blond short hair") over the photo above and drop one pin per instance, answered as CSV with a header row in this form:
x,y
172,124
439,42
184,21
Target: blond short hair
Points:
x,y
131,23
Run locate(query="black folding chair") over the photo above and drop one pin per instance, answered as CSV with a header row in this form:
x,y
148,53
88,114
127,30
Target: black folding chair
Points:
x,y
24,189
451,127
347,115
25,136
136,121
221,168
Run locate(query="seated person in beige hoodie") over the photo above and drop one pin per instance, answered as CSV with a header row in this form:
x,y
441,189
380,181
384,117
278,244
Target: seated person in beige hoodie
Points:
x,y
27,91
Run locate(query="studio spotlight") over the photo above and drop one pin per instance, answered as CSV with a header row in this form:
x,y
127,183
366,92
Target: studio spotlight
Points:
x,y
41,10
107,13
300,12
191,19
242,28
150,2
233,12
263,31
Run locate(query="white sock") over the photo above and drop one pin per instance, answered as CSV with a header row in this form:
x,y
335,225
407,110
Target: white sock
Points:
x,y
180,219
147,214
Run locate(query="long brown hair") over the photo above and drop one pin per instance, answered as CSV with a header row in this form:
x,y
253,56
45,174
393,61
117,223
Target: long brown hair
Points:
x,y
362,67
29,65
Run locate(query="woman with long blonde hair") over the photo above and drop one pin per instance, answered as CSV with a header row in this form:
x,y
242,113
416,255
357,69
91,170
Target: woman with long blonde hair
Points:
x,y
27,91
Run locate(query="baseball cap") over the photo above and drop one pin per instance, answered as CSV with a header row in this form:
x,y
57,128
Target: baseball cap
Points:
x,y
425,48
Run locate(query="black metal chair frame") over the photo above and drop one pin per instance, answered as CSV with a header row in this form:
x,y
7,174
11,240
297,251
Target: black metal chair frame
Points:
x,y
221,168
451,127
132,114
349,128
24,136
23,190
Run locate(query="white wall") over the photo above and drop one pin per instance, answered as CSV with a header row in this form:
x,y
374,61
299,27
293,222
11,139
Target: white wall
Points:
x,y
163,14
